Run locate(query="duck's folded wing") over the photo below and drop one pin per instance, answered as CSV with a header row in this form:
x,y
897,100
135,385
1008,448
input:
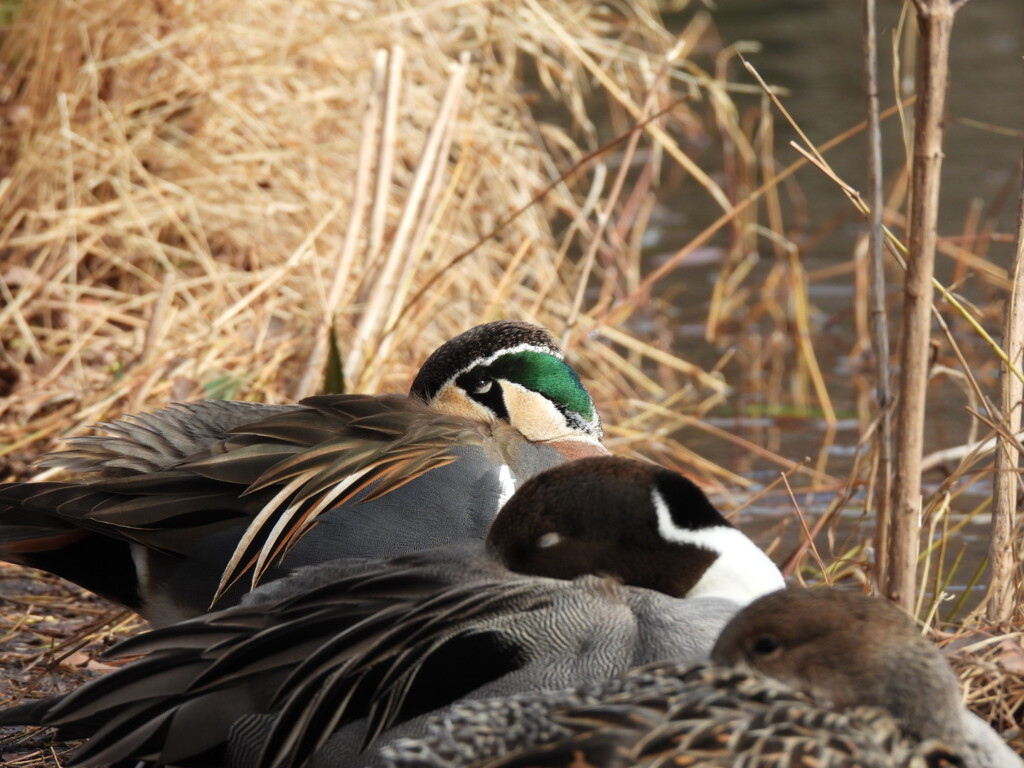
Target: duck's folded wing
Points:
x,y
149,442
166,479
377,645
351,445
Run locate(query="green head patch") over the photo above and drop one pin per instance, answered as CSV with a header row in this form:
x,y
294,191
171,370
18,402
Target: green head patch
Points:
x,y
553,378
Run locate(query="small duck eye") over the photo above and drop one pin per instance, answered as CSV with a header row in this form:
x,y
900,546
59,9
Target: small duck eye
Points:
x,y
481,387
766,645
476,382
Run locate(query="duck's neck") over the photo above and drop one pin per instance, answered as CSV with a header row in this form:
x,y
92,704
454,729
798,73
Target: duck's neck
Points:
x,y
738,571
920,690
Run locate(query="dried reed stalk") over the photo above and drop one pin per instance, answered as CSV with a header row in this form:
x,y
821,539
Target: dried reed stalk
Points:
x,y
196,196
878,318
1003,591
935,26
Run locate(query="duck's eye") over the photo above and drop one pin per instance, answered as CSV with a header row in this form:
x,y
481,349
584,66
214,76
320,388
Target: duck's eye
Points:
x,y
479,386
766,645
478,381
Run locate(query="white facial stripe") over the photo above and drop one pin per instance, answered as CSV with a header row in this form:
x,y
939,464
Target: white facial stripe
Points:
x,y
508,484
548,540
501,353
740,572
513,351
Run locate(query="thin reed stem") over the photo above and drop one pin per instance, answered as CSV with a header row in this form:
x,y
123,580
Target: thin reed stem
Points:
x,y
878,318
935,26
1003,591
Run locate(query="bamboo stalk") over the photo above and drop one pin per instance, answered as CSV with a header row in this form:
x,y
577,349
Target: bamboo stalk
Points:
x,y
1002,591
935,25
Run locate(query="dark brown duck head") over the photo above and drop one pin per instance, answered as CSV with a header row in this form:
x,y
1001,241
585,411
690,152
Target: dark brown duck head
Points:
x,y
642,524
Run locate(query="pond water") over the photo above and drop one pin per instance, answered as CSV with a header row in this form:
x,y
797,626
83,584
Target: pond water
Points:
x,y
812,48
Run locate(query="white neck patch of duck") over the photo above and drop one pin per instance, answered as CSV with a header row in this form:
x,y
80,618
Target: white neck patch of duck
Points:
x,y
740,572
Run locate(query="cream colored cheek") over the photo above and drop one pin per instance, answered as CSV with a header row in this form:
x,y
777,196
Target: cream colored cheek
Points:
x,y
454,402
532,414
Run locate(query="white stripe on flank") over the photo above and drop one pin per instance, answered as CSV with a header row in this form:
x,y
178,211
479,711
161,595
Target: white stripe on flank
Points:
x,y
741,571
508,484
140,558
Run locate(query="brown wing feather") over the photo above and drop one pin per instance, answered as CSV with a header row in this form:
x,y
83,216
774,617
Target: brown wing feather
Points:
x,y
383,442
163,478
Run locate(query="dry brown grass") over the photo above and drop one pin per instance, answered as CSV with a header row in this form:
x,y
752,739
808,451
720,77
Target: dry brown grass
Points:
x,y
185,208
193,193
50,634
990,663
